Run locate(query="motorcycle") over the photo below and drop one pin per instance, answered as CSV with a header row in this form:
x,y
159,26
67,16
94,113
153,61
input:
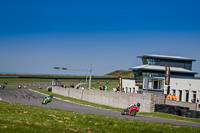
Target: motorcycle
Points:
x,y
131,110
47,99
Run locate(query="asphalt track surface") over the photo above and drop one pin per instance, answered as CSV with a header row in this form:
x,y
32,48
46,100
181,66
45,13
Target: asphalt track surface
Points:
x,y
30,97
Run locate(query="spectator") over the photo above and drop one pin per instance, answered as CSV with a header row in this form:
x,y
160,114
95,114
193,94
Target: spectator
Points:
x,y
117,89
100,88
103,88
79,87
106,88
192,100
72,85
174,97
169,97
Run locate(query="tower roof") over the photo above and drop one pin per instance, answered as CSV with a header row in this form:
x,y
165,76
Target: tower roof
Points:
x,y
162,68
167,57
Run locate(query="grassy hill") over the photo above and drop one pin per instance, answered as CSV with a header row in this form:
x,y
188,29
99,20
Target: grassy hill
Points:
x,y
122,73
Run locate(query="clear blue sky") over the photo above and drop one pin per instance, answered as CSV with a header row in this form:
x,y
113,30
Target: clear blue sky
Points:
x,y
37,35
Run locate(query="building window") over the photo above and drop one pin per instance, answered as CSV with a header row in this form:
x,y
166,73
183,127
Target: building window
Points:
x,y
180,95
155,84
194,96
187,96
174,92
161,84
144,61
151,61
151,83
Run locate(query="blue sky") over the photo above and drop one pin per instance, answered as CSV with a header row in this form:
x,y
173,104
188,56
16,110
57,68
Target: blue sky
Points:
x,y
37,35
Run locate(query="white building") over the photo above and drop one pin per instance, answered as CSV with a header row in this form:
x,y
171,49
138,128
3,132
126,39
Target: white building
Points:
x,y
150,77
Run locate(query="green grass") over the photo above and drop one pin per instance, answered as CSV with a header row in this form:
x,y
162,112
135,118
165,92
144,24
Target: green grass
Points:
x,y
113,83
23,80
20,118
32,80
152,114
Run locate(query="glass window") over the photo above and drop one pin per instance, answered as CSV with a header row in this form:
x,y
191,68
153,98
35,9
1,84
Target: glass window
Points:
x,y
161,84
144,61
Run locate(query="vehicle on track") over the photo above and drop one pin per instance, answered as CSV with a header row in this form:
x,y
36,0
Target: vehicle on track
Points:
x,y
47,99
131,110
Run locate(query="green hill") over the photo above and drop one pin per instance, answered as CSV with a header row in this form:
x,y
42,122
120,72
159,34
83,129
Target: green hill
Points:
x,y
122,73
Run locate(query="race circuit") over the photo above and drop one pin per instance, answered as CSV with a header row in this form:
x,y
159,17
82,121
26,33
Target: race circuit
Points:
x,y
29,97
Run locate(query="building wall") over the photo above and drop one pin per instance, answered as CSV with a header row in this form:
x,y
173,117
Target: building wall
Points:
x,y
192,106
176,84
129,85
184,85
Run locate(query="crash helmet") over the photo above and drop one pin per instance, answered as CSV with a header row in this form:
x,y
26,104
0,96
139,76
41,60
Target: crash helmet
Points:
x,y
138,104
51,96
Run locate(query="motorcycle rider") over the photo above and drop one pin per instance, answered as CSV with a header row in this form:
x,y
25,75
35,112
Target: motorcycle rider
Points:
x,y
49,98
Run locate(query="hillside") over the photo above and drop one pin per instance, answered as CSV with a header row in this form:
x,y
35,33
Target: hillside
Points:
x,y
122,73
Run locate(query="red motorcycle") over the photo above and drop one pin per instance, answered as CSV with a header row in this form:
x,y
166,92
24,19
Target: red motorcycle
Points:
x,y
131,110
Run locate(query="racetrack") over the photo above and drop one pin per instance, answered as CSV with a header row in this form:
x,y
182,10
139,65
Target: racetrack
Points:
x,y
29,97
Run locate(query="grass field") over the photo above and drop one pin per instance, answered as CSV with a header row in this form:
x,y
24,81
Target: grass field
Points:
x,y
23,80
20,118
102,82
32,80
152,114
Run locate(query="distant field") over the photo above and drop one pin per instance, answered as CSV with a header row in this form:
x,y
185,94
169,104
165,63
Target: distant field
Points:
x,y
102,82
20,118
32,80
